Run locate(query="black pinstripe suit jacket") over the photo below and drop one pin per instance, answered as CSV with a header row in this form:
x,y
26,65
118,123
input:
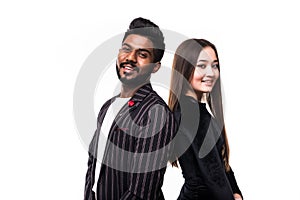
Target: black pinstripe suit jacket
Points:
x,y
136,152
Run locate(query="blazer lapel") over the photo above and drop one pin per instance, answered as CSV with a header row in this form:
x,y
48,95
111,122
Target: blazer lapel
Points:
x,y
125,111
139,96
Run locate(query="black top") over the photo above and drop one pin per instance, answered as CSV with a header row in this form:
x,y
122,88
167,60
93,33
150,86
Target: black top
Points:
x,y
200,143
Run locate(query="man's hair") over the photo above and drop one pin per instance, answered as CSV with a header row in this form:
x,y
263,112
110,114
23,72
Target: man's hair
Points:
x,y
148,29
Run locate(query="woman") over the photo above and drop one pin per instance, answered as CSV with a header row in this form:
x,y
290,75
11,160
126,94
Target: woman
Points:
x,y
201,143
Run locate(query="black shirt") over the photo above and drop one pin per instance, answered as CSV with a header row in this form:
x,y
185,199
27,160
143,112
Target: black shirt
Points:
x,y
200,141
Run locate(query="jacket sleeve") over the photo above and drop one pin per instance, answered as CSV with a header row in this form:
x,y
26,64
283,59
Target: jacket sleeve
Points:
x,y
233,183
88,193
153,147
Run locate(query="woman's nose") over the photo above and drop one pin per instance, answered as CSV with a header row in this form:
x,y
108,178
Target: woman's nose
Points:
x,y
209,71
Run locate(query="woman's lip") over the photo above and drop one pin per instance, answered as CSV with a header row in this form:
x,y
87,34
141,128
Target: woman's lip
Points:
x,y
208,83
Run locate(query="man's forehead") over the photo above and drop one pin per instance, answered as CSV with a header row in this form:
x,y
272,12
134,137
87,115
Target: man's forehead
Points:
x,y
138,42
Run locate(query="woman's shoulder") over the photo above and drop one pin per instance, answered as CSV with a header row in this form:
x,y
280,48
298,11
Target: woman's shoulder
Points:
x,y
186,102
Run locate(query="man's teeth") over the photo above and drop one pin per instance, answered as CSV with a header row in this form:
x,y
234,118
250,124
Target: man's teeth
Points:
x,y
129,68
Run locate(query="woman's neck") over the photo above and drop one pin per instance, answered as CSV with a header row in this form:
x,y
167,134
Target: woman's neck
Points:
x,y
199,96
202,98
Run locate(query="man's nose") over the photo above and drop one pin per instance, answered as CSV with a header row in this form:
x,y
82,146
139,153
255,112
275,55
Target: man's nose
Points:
x,y
131,56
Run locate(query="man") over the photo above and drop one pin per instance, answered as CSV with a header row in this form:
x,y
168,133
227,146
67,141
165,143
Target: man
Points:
x,y
138,138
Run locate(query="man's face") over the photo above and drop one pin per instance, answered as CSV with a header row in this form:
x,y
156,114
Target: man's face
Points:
x,y
134,63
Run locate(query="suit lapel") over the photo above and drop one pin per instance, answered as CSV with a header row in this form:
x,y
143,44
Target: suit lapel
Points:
x,y
125,111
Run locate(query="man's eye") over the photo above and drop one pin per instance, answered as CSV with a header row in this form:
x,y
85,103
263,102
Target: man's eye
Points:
x,y
125,49
143,55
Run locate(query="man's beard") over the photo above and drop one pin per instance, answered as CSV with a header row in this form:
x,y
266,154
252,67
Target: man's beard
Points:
x,y
139,80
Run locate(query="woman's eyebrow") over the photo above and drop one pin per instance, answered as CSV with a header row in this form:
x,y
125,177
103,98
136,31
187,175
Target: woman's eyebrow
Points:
x,y
207,61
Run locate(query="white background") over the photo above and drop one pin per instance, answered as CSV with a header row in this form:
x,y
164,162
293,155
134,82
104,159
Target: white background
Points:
x,y
43,45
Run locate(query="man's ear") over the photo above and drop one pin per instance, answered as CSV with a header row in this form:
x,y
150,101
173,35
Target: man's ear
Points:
x,y
156,67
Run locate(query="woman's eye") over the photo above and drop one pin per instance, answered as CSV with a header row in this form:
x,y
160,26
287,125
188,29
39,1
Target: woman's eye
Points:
x,y
215,66
202,66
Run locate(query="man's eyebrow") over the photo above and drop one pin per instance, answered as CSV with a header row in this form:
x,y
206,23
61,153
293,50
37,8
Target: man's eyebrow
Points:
x,y
141,49
126,44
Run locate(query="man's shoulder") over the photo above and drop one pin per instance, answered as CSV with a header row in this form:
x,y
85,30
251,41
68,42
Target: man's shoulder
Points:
x,y
156,98
106,105
108,102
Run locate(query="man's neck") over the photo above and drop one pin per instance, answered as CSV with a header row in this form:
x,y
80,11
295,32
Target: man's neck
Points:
x,y
129,90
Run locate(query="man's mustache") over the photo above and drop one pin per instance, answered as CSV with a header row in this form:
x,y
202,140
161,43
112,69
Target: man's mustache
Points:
x,y
132,65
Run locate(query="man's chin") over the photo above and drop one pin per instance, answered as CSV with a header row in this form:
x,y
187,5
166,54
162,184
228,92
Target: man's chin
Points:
x,y
126,80
132,82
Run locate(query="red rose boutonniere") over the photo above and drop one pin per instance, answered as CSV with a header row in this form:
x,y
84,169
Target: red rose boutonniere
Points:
x,y
130,103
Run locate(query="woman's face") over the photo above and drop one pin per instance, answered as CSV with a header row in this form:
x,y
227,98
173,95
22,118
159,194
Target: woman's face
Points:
x,y
206,71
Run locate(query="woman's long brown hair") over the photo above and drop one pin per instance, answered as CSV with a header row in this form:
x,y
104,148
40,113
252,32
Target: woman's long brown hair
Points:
x,y
184,63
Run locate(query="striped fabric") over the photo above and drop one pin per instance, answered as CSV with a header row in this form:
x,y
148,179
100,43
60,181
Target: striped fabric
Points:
x,y
137,150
